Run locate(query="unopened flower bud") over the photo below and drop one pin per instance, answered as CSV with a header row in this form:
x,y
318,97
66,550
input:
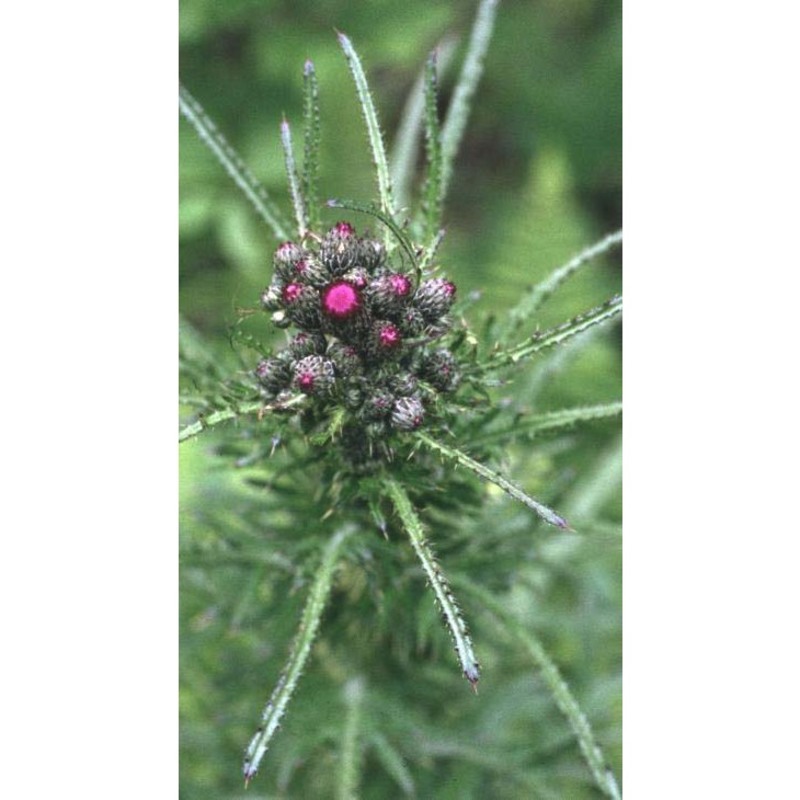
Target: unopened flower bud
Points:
x,y
339,250
388,293
357,277
408,413
345,359
404,384
274,374
313,375
307,344
271,299
439,368
412,323
286,256
434,298
371,254
309,270
379,405
385,339
302,305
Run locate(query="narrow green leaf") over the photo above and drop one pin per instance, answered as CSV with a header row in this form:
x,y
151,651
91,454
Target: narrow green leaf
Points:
x,y
471,71
441,589
547,514
300,650
311,140
373,128
393,762
549,421
553,336
350,758
561,693
432,193
225,414
533,301
374,211
294,180
405,150
233,164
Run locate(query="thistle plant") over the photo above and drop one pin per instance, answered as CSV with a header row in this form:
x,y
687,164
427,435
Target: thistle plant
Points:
x,y
372,436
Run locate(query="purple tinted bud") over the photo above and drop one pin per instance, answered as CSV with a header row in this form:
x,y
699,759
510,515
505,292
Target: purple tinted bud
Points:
x,y
273,374
434,298
388,335
285,258
271,299
288,253
340,300
408,413
291,293
307,344
412,323
310,270
345,359
379,405
344,230
371,254
357,277
339,250
313,375
388,293
302,305
441,371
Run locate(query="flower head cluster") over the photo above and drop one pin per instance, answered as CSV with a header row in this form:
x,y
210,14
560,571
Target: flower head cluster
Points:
x,y
368,332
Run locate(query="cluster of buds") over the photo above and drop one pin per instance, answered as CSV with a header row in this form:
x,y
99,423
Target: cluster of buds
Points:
x,y
367,332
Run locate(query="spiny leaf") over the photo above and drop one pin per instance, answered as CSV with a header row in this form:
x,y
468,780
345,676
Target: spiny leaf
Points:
x,y
294,180
444,597
553,336
547,514
406,143
311,140
533,301
471,71
432,194
233,164
558,688
373,128
526,427
301,647
223,415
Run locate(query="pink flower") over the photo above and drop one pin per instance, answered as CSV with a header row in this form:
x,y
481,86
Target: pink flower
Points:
x,y
341,300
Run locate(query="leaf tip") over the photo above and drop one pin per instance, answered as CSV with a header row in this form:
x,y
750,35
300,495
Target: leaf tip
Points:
x,y
472,674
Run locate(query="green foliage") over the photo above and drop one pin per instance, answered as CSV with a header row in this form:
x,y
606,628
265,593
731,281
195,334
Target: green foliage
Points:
x,y
292,564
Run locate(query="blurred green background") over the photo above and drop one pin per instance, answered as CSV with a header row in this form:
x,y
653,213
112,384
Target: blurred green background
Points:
x,y
537,179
